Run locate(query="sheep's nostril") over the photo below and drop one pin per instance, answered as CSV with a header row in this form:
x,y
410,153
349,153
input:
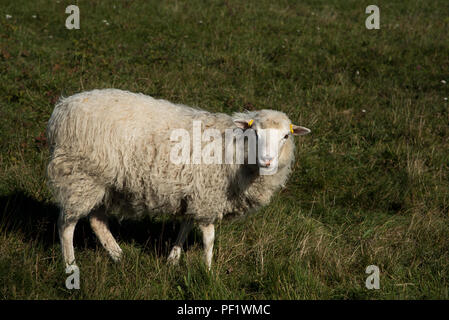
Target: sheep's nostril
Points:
x,y
266,162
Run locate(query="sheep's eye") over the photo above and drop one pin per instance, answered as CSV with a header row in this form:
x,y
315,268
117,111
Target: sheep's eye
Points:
x,y
286,136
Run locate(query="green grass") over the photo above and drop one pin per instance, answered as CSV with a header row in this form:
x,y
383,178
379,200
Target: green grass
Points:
x,y
370,184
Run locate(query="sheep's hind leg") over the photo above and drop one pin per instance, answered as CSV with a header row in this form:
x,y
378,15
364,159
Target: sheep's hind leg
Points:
x,y
208,242
78,196
66,228
175,253
99,223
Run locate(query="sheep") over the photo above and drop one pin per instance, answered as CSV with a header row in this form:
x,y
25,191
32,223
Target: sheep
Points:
x,y
110,155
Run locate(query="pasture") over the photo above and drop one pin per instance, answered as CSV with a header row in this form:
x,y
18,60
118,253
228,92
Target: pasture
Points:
x,y
370,184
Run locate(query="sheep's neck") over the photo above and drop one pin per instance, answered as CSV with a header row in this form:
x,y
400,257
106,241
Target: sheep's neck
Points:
x,y
260,188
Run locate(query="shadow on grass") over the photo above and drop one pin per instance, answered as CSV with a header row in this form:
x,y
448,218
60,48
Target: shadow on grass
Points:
x,y
35,221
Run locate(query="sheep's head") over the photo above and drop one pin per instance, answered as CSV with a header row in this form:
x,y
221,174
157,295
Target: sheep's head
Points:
x,y
274,135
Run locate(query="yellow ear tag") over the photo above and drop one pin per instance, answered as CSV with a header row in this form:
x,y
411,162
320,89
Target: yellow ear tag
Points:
x,y
250,123
291,128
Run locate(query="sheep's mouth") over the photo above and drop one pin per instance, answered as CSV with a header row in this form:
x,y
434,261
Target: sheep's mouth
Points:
x,y
267,169
263,165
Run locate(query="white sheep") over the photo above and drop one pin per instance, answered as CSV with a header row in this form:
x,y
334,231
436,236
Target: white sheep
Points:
x,y
110,150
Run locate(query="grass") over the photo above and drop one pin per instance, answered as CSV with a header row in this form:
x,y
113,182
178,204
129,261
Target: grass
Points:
x,y
370,184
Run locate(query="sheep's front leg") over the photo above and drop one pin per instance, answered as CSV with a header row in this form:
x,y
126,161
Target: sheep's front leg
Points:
x,y
208,242
175,253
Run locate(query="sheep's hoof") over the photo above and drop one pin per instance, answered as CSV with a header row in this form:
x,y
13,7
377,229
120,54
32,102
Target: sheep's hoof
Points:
x,y
175,254
116,256
70,267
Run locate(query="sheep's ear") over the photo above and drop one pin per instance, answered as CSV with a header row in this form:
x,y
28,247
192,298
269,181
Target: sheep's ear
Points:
x,y
243,123
298,130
